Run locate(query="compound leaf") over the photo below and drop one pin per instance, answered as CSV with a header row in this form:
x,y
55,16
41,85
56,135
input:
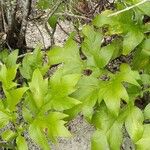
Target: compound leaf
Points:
x,y
38,87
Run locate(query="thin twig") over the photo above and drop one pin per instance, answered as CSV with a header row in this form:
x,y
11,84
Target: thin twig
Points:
x,y
41,35
53,10
67,33
51,34
74,16
128,8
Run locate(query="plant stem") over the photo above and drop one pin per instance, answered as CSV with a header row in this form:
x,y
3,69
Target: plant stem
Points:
x,y
128,8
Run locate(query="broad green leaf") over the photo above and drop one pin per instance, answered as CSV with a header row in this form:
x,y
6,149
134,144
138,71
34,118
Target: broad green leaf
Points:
x,y
144,142
147,112
99,141
1,105
27,115
141,58
37,135
52,125
143,7
68,55
21,143
145,78
14,96
4,118
131,40
3,55
92,38
106,54
112,93
56,126
8,135
11,59
38,87
7,76
115,131
97,56
91,45
88,87
102,19
134,123
128,75
31,62
61,86
109,126
103,119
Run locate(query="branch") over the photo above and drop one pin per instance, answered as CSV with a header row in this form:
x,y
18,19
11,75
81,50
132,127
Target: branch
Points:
x,y
128,8
53,10
67,33
41,35
74,16
26,11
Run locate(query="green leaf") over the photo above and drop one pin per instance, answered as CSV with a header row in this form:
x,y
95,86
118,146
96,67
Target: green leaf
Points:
x,y
131,40
3,55
4,118
112,93
99,141
11,59
14,96
134,123
31,62
68,55
92,38
37,136
91,45
21,143
8,135
27,115
145,78
7,76
53,21
39,88
103,119
56,126
143,143
147,112
106,54
143,7
51,125
102,19
116,129
141,58
88,87
109,126
61,86
128,75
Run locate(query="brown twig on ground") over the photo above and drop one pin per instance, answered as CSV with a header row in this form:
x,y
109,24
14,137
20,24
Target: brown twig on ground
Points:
x,y
40,34
67,33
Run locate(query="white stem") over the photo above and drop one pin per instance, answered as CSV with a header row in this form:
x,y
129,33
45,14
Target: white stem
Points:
x,y
128,8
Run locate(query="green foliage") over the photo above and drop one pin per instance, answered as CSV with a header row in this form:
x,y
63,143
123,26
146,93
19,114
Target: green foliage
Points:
x,y
107,99
32,62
